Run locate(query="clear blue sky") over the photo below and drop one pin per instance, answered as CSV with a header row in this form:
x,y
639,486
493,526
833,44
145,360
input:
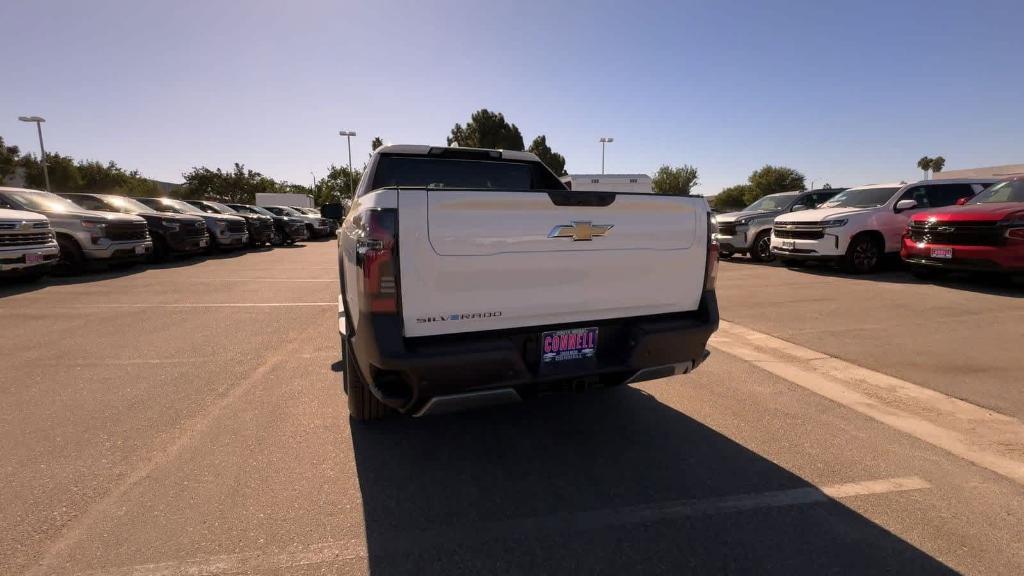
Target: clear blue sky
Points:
x,y
845,92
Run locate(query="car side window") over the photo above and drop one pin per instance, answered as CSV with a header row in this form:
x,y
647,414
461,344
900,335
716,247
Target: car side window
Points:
x,y
918,193
948,194
820,198
4,203
807,201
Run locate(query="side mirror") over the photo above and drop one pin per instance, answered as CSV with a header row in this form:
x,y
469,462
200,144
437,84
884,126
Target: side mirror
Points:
x,y
333,211
799,207
906,205
963,200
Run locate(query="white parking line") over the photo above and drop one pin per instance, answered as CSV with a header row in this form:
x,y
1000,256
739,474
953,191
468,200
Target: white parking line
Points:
x,y
986,438
555,525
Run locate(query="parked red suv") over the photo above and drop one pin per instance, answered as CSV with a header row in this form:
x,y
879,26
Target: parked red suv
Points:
x,y
984,234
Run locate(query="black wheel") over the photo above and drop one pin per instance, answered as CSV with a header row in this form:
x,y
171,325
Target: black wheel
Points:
x,y
791,263
276,239
724,255
161,252
863,255
309,232
363,406
71,261
761,251
925,273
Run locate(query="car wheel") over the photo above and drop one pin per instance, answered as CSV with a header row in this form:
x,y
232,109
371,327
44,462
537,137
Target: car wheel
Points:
x,y
724,255
71,260
761,251
863,255
161,253
363,406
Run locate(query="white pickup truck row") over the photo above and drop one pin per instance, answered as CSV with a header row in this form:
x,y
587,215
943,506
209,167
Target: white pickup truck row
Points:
x,y
471,277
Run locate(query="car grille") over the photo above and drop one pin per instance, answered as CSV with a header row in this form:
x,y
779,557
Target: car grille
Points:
x,y
195,230
798,234
727,228
957,233
17,225
25,239
236,227
126,231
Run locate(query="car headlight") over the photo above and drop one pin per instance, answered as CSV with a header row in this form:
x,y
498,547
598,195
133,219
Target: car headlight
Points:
x,y
96,227
839,223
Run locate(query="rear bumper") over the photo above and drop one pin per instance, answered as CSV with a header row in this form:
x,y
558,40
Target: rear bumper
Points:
x,y
1009,258
406,373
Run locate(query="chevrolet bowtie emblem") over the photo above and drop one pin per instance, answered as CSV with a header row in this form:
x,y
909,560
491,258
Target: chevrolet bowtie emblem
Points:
x,y
580,230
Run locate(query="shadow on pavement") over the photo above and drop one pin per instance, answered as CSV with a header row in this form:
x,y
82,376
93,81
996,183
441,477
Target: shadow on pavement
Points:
x,y
13,287
561,485
992,284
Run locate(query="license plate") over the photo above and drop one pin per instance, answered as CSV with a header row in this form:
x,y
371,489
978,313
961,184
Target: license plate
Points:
x,y
565,345
33,258
788,244
140,249
942,253
203,242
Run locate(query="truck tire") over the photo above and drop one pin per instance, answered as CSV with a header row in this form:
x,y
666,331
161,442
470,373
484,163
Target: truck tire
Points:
x,y
761,249
363,406
71,261
863,255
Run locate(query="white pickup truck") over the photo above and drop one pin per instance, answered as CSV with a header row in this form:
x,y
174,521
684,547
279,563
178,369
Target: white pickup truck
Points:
x,y
472,277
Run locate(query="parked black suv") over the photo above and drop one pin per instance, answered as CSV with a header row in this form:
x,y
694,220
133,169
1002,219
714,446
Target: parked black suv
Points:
x,y
171,233
287,230
261,228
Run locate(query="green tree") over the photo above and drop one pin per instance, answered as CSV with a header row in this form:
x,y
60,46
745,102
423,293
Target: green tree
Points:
x,y
925,164
8,160
938,163
553,160
64,175
335,186
487,129
679,181
773,179
732,198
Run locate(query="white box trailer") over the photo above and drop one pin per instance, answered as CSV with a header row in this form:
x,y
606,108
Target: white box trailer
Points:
x,y
283,199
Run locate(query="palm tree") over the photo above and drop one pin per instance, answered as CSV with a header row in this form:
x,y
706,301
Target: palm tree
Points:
x,y
938,163
925,164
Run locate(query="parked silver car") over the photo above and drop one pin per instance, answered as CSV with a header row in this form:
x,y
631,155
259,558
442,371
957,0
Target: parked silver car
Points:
x,y
28,248
226,231
85,236
316,226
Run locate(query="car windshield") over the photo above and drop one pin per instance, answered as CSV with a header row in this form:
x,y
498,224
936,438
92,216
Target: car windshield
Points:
x,y
42,201
1009,191
861,198
452,173
170,205
222,208
126,205
772,203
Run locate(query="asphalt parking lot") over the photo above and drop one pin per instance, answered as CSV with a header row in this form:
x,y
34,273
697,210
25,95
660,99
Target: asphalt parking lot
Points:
x,y
188,419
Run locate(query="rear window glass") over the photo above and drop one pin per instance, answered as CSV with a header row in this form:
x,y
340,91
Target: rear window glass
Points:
x,y
446,173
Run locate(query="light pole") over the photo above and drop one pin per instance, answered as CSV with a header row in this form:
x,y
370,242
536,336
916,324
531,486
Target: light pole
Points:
x,y
348,135
604,141
39,128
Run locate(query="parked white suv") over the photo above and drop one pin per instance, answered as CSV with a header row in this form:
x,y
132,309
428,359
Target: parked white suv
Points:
x,y
28,248
859,226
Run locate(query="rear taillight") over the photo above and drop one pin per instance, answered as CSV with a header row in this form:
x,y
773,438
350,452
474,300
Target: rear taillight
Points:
x,y
711,269
377,258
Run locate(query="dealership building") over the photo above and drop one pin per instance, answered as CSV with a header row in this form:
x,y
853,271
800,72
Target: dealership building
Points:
x,y
998,172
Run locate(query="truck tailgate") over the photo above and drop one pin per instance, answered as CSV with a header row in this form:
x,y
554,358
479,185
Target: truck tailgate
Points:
x,y
474,261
